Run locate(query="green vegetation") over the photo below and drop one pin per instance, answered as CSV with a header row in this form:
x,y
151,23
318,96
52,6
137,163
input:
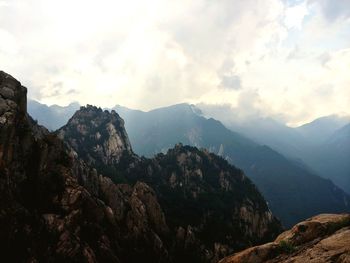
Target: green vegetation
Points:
x,y
293,192
334,226
286,247
197,190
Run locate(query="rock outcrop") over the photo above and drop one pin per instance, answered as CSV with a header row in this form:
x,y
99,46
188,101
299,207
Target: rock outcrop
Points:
x,y
321,239
55,208
216,203
211,207
101,131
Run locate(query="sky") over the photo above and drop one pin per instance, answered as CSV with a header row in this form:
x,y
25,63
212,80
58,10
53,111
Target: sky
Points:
x,y
289,59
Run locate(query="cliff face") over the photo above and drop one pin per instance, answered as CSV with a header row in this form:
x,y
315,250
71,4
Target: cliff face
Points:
x,y
321,239
54,208
202,192
211,207
97,136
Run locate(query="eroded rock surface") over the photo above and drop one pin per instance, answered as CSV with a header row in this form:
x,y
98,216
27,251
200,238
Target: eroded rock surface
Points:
x,y
211,208
55,208
101,131
321,239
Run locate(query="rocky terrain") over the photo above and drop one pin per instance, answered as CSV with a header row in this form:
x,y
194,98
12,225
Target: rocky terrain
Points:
x,y
92,199
292,190
54,208
321,239
99,138
211,207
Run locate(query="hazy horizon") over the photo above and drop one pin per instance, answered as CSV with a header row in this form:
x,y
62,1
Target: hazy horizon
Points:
x,y
198,105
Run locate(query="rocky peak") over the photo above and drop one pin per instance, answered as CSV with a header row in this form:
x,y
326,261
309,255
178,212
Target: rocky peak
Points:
x,y
55,208
321,239
198,173
211,207
13,98
13,121
97,135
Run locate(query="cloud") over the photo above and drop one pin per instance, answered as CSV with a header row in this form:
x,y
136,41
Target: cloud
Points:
x,y
155,53
231,82
294,15
324,58
333,10
249,108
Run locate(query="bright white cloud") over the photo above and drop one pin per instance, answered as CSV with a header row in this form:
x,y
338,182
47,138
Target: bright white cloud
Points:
x,y
146,54
295,15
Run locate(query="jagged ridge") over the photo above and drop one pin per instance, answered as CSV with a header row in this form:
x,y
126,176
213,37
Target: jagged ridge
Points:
x,y
211,207
54,208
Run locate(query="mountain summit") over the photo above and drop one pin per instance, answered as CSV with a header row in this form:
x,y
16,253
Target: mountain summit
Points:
x,y
210,205
104,131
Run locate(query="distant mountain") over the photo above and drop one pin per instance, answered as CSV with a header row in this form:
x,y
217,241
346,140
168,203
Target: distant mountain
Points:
x,y
341,138
263,130
293,192
321,129
330,156
333,158
210,207
52,117
311,145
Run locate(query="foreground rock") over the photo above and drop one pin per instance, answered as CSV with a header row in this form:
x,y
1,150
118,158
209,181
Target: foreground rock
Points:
x,y
320,239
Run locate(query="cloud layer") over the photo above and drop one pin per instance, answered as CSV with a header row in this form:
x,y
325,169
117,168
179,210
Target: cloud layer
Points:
x,y
294,56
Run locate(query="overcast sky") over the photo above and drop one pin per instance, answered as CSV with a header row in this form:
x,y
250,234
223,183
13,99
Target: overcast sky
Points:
x,y
286,58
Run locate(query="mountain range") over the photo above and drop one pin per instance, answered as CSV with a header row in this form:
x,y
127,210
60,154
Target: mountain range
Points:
x,y
52,117
316,144
101,189
308,144
293,190
82,195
